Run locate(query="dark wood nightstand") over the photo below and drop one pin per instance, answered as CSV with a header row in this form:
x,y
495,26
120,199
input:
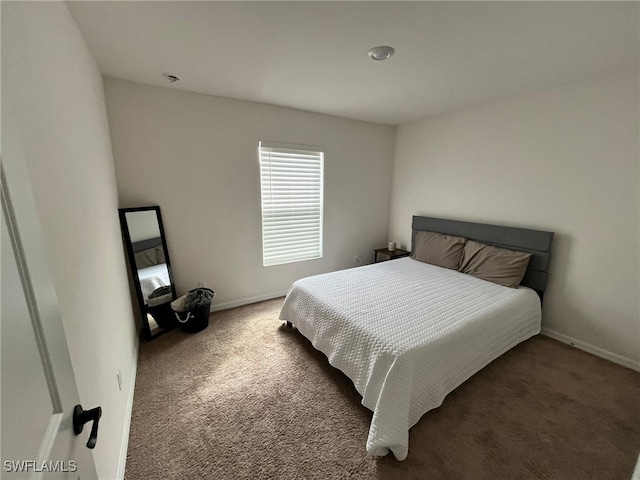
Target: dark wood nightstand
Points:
x,y
397,253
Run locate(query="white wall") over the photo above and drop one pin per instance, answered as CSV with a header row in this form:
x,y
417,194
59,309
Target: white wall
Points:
x,y
196,156
142,225
53,90
564,160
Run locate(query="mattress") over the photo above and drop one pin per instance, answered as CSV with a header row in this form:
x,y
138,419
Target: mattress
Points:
x,y
153,277
408,333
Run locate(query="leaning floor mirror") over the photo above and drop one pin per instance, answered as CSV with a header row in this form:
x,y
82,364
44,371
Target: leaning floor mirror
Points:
x,y
150,267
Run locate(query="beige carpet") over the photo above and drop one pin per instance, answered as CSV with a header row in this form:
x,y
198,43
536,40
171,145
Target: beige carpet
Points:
x,y
249,398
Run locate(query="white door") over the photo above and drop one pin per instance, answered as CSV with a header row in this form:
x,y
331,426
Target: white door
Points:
x,y
38,391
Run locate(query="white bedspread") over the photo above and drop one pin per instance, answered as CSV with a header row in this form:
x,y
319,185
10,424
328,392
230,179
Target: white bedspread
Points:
x,y
153,277
407,333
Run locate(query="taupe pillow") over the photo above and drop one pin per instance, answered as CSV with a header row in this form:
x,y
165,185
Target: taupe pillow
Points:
x,y
147,258
497,265
438,249
160,255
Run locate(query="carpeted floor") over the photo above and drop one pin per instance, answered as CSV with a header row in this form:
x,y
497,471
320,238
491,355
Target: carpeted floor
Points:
x,y
248,398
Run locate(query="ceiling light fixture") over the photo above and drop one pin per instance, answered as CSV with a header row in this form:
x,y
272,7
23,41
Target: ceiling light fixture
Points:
x,y
380,53
171,77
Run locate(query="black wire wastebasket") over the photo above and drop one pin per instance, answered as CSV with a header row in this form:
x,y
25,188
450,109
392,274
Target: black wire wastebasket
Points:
x,y
192,310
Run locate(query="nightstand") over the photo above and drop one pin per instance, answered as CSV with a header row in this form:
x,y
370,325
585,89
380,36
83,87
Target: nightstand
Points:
x,y
397,253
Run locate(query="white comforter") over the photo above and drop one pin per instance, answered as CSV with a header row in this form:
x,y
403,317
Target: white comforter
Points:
x,y
407,333
153,277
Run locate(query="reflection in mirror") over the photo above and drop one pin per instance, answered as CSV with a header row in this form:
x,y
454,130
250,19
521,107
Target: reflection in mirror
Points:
x,y
150,267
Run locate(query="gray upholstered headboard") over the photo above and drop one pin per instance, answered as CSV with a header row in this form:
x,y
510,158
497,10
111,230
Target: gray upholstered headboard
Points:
x,y
536,242
145,244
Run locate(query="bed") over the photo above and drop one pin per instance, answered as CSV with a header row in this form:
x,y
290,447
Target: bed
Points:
x,y
407,333
150,262
152,278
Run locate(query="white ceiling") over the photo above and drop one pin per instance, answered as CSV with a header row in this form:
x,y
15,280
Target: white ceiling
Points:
x,y
313,55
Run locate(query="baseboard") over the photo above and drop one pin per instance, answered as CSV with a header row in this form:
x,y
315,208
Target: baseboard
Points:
x,y
245,301
124,444
587,347
636,471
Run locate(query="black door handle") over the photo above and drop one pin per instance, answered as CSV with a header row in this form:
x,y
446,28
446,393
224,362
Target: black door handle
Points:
x,y
80,417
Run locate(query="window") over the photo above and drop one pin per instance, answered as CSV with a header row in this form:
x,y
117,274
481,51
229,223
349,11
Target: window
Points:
x,y
291,180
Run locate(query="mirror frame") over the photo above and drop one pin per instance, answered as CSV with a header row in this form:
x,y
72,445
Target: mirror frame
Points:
x,y
146,329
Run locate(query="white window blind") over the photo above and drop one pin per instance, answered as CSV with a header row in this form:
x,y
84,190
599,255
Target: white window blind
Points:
x,y
291,180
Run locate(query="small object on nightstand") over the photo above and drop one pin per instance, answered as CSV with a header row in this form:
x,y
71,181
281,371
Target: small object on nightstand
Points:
x,y
392,246
397,253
